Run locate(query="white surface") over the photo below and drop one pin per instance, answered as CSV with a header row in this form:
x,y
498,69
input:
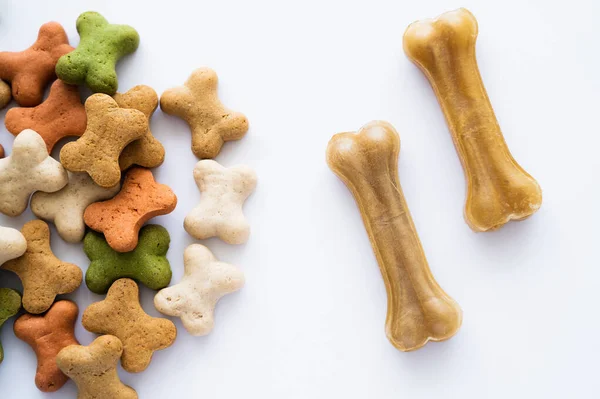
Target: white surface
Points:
x,y
310,321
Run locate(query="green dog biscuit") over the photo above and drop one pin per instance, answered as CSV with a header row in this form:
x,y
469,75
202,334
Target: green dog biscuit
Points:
x,y
10,303
101,46
147,263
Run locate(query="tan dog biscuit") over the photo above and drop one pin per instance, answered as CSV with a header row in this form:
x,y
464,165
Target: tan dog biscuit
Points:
x,y
121,218
47,334
93,368
65,207
109,130
5,95
205,281
43,275
223,192
197,103
121,315
147,151
31,70
29,168
12,244
61,115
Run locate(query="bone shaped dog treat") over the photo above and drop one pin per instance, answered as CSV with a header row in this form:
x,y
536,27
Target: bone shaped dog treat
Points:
x,y
418,309
10,303
12,244
197,103
101,45
121,315
147,151
147,263
109,130
31,70
43,275
47,334
93,368
223,192
498,188
29,168
65,207
61,115
205,281
121,217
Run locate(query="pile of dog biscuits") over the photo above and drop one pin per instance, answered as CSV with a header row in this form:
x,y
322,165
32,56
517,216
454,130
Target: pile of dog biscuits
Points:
x,y
102,191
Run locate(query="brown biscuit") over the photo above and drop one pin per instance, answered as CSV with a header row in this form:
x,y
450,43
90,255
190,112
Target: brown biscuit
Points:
x,y
147,151
31,70
198,104
1,151
61,115
47,334
121,315
93,368
109,130
5,95
43,275
121,217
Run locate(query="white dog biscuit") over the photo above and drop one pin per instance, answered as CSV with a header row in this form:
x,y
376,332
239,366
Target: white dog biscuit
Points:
x,y
12,244
29,168
194,298
223,192
65,208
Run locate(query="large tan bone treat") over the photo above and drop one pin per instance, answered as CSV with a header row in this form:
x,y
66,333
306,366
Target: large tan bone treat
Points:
x,y
498,188
418,308
93,368
197,102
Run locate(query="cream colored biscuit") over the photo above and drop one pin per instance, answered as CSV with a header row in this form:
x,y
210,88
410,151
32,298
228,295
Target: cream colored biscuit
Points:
x,y
194,298
12,244
222,195
29,168
65,208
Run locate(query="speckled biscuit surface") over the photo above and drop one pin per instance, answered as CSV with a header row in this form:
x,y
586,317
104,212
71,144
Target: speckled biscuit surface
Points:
x,y
147,151
61,115
109,130
29,71
43,275
101,45
121,217
5,95
222,195
93,368
29,168
194,298
47,334
65,207
12,244
10,303
147,263
121,315
197,103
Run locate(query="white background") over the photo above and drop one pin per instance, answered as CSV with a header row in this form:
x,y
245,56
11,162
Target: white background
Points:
x,y
310,321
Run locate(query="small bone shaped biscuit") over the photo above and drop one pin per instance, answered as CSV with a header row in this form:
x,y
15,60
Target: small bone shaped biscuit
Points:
x,y
5,95
29,168
109,130
121,218
193,299
43,275
418,309
147,263
93,368
10,303
12,244
121,315
147,151
61,115
65,207
47,334
101,45
31,70
498,188
223,192
198,104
